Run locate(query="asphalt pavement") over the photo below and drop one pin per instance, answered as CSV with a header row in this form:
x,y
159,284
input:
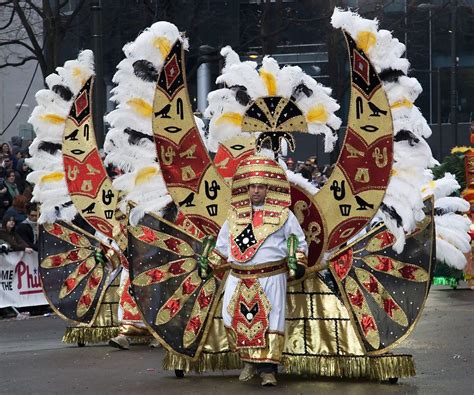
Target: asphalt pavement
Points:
x,y
34,361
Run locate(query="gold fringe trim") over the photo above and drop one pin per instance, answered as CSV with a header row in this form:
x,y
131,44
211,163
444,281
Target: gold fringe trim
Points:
x,y
371,367
79,334
206,362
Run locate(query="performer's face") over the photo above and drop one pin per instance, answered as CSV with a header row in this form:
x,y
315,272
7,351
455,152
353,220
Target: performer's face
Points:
x,y
257,193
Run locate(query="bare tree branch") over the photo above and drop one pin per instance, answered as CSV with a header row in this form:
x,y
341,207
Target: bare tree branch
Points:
x,y
38,51
9,21
38,10
17,42
20,63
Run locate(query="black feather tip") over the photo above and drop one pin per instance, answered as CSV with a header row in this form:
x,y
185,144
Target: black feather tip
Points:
x,y
301,89
49,147
170,212
145,70
134,136
406,135
390,75
390,211
241,94
63,91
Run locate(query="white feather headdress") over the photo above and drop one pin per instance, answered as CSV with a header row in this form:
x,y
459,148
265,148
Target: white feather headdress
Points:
x,y
411,179
129,144
226,112
49,119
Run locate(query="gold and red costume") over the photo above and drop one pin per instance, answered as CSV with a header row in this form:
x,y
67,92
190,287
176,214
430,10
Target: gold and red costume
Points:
x,y
254,240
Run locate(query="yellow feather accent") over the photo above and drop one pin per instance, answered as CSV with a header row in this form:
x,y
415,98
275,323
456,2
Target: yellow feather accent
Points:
x,y
402,103
141,106
461,150
230,117
52,177
270,82
366,40
145,174
53,118
317,114
78,73
164,45
430,185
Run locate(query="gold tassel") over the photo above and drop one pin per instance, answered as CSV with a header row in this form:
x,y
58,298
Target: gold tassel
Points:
x,y
84,334
206,362
372,367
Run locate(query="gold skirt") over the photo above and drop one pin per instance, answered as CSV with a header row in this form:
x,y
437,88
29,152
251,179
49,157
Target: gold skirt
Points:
x,y
319,340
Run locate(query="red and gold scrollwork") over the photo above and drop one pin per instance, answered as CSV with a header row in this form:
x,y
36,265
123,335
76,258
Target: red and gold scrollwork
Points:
x,y
191,177
89,185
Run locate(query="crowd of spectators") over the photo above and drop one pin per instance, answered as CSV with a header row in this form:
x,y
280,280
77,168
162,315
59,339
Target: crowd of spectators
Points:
x,y
310,170
18,214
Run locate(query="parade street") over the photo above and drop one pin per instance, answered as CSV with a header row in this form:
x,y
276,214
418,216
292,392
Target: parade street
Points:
x,y
34,361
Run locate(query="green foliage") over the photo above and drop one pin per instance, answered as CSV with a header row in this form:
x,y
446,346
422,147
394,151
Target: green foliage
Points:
x,y
443,270
453,164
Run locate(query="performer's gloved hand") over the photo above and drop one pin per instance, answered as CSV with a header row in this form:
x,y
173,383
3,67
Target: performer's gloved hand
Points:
x,y
295,269
296,260
100,257
204,270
